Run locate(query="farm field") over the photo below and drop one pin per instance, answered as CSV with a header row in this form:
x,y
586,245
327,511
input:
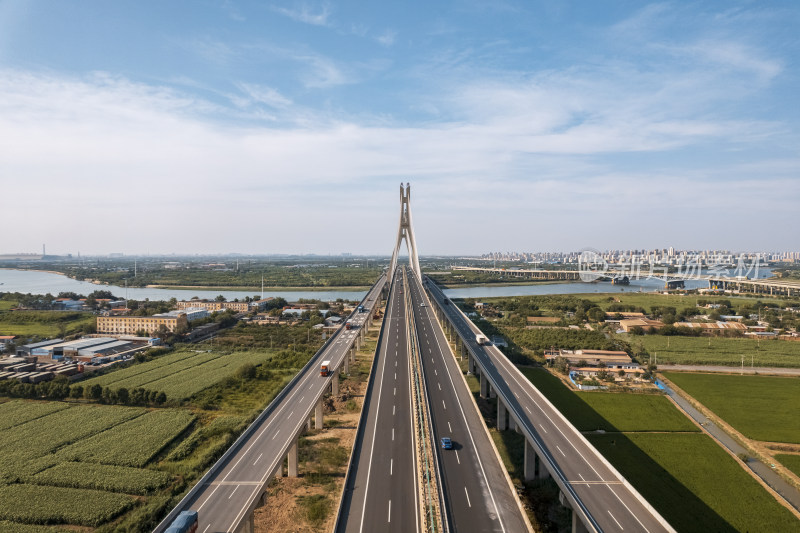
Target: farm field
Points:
x,y
792,462
180,374
762,408
720,351
648,300
589,411
76,461
44,323
704,490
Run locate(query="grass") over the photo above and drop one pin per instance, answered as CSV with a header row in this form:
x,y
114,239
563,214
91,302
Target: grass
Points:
x,y
648,300
590,411
720,351
792,462
16,323
33,504
181,374
763,408
694,484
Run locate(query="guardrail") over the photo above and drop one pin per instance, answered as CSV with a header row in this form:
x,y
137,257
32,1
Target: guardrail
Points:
x,y
247,433
432,489
524,423
363,417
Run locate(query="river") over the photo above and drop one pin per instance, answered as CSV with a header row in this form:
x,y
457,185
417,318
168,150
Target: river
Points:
x,y
37,282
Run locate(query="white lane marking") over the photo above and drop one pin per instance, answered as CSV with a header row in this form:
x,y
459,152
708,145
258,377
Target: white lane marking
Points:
x,y
435,372
290,416
440,385
562,452
615,520
392,433
257,460
395,375
449,426
467,493
443,405
303,398
457,459
206,529
541,426
390,511
234,492
393,408
276,434
391,467
395,391
628,508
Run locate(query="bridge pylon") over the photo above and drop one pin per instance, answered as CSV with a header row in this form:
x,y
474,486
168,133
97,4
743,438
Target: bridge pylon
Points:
x,y
406,232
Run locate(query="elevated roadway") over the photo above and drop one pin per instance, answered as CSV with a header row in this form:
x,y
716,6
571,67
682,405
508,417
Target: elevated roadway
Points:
x,y
601,499
381,489
234,486
477,492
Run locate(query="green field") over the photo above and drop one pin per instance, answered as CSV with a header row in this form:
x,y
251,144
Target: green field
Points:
x,y
719,351
763,408
590,411
180,374
694,484
52,453
792,462
648,300
44,323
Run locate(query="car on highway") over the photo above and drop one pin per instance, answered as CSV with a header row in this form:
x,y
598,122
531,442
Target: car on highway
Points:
x,y
447,444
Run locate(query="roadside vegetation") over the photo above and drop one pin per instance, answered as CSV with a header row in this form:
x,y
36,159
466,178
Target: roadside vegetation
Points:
x,y
763,408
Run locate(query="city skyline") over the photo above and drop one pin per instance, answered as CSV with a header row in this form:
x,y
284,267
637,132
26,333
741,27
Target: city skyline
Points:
x,y
252,128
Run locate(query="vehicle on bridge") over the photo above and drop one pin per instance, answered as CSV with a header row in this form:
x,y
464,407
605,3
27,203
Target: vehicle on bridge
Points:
x,y
360,308
482,339
325,369
447,443
186,522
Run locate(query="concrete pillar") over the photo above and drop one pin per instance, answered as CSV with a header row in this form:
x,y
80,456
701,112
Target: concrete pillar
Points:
x,y
544,473
463,350
335,383
492,392
346,365
512,425
308,424
501,416
247,525
318,415
577,525
292,459
529,466
471,364
484,386
278,469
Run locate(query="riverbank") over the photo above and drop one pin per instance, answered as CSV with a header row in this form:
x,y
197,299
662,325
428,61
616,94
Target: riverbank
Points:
x,y
258,289
525,283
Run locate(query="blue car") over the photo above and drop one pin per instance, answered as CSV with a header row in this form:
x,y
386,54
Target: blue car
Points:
x,y
447,444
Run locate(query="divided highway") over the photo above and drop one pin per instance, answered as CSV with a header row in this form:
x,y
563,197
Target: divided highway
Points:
x,y
381,491
227,494
478,496
608,501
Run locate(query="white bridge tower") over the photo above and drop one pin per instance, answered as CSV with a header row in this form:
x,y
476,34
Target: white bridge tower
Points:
x,y
406,231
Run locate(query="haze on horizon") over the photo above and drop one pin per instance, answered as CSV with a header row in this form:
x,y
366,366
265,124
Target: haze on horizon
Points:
x,y
218,127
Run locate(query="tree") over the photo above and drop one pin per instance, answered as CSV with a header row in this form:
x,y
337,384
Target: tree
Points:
x,y
596,314
220,298
122,395
76,392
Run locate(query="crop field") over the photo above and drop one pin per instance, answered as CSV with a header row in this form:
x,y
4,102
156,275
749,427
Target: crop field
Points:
x,y
589,411
763,408
720,351
36,504
133,443
43,323
18,412
181,374
75,461
103,477
694,484
792,462
648,300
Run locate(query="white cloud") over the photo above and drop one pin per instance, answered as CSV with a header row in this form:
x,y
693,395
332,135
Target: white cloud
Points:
x,y
303,12
138,158
387,38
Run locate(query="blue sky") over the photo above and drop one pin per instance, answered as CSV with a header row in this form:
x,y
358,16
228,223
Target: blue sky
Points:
x,y
286,127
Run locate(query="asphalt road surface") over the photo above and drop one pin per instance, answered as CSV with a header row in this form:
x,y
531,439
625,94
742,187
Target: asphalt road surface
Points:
x,y
610,504
224,499
382,488
477,494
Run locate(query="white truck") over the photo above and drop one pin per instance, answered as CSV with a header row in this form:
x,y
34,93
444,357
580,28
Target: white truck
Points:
x,y
482,339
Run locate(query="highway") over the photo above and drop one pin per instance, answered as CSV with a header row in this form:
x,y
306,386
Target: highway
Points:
x,y
478,495
381,491
225,497
609,502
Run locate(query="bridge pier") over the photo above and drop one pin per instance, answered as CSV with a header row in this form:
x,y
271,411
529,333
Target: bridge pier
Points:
x,y
463,350
335,383
492,392
529,462
292,459
502,413
484,386
278,469
577,524
346,364
247,525
318,415
543,473
471,365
